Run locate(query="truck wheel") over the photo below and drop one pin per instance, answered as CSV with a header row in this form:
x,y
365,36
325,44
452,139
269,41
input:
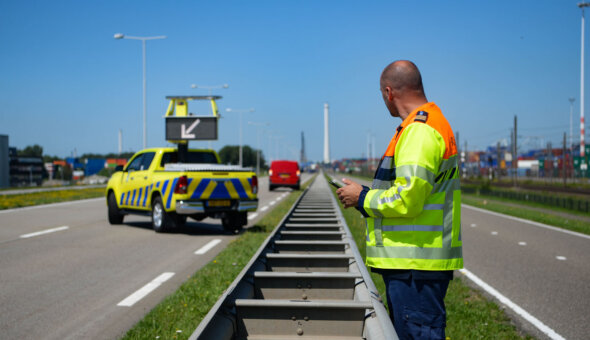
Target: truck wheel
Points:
x,y
233,222
115,216
161,220
271,187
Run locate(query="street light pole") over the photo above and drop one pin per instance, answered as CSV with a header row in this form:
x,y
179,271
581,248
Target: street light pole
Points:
x,y
258,125
143,48
240,112
581,5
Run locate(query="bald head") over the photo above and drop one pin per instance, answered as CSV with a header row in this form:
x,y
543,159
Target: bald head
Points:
x,y
401,87
403,76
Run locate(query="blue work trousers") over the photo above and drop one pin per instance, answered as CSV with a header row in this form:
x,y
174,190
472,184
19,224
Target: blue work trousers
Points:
x,y
417,307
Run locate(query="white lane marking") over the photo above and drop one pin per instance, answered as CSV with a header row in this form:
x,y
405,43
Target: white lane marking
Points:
x,y
494,233
537,224
561,258
50,205
517,309
473,225
273,202
207,247
279,198
43,232
252,216
264,208
145,290
522,243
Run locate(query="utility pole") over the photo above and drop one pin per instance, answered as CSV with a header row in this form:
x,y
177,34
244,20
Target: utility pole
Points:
x,y
303,157
466,157
571,99
459,155
514,152
498,155
550,158
581,5
563,160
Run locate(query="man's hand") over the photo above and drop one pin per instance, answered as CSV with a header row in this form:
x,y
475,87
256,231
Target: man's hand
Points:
x,y
349,194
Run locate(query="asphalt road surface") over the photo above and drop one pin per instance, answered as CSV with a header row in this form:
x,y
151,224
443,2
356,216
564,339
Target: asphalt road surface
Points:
x,y
544,271
65,273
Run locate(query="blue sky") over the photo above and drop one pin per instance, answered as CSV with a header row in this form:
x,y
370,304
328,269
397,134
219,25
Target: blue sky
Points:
x,y
67,85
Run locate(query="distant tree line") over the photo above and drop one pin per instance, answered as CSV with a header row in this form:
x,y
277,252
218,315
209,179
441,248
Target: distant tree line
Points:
x,y
230,154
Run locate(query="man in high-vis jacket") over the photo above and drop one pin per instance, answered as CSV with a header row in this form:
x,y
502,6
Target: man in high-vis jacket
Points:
x,y
413,210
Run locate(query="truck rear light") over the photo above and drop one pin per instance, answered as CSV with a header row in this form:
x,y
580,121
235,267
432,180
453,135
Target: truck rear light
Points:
x,y
298,172
270,172
254,184
181,185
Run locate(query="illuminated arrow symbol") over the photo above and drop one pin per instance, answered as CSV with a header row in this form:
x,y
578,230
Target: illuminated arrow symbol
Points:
x,y
186,133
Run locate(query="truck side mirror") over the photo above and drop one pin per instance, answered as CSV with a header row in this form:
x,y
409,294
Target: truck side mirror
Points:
x,y
118,168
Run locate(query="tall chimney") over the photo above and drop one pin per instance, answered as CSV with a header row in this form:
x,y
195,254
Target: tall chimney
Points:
x,y
326,135
120,141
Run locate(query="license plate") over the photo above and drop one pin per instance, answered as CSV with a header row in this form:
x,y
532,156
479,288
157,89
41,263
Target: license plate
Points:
x,y
219,203
285,176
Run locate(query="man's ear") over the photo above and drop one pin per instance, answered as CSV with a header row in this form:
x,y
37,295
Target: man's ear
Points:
x,y
389,93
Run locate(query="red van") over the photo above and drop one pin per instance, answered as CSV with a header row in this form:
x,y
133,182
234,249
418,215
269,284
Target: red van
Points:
x,y
284,174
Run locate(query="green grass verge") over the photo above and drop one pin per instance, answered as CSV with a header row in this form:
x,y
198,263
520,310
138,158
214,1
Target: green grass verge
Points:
x,y
45,197
184,309
546,217
469,314
549,216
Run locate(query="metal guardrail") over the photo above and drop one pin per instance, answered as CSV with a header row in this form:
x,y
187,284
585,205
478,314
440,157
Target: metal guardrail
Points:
x,y
307,281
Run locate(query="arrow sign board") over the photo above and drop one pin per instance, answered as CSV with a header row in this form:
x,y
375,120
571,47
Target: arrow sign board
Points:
x,y
191,128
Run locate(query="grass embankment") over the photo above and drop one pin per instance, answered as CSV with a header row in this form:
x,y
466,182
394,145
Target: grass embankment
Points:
x,y
469,314
179,314
45,197
554,216
549,215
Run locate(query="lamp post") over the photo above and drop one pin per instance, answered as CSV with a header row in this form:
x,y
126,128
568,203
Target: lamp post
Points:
x,y
581,5
195,86
240,112
571,99
258,125
143,40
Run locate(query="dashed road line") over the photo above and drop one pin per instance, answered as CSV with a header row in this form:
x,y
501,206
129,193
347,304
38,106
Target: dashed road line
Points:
x,y
264,208
145,290
522,220
473,225
522,243
207,247
561,258
272,202
252,216
43,232
494,233
517,309
50,205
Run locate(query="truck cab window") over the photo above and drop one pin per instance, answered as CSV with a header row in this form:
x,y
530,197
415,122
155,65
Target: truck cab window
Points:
x,y
147,159
135,164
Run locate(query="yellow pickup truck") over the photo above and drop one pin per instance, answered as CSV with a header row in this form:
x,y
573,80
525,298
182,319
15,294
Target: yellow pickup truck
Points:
x,y
156,184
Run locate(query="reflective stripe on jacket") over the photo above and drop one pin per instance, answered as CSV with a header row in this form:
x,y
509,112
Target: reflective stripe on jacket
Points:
x,y
414,207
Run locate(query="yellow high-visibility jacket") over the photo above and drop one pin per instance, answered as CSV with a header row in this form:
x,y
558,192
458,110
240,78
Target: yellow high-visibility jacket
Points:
x,y
413,211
